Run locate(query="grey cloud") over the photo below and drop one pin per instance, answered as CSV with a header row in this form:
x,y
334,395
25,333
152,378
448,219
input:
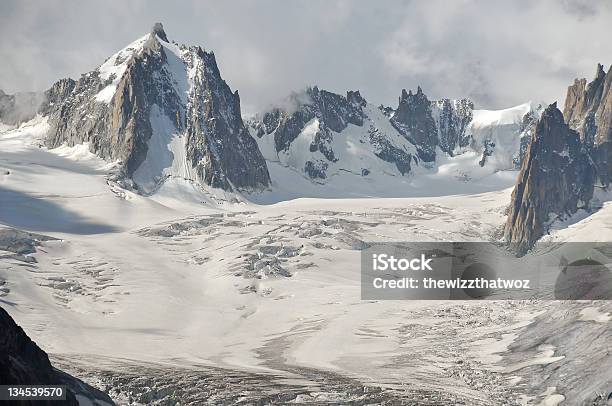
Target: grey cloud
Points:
x,y
498,53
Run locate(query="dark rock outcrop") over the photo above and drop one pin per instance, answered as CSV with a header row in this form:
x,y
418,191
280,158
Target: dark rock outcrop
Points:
x,y
429,124
588,110
57,94
555,180
22,362
117,107
453,119
526,130
413,119
334,112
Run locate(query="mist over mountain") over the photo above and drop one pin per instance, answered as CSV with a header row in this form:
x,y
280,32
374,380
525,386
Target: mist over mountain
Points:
x,y
463,50
162,112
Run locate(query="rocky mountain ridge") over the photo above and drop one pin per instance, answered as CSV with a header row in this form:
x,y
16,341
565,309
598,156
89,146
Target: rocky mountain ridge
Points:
x,y
556,179
307,137
161,110
588,110
316,132
568,158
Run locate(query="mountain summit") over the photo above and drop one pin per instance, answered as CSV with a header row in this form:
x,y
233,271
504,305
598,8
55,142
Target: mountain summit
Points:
x,y
162,111
556,179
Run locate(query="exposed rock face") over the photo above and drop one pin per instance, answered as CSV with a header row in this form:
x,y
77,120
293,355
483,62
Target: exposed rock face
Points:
x,y
161,110
22,362
333,111
56,95
588,110
528,126
429,124
555,180
19,107
453,118
309,135
413,119
564,161
319,134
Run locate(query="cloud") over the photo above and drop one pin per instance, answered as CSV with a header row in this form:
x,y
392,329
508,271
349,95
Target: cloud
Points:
x,y
498,53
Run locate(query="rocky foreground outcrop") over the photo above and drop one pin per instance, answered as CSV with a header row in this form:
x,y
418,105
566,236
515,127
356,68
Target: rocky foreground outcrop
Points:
x,y
161,110
555,180
22,362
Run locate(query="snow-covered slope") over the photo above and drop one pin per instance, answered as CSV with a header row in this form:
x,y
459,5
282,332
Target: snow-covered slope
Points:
x,y
357,150
501,136
167,299
345,146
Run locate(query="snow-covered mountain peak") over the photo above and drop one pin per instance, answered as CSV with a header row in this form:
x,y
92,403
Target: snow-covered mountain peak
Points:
x,y
321,135
163,111
113,69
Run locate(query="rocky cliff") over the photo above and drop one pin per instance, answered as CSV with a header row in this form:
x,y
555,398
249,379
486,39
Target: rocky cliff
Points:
x,y
555,180
161,110
453,118
413,119
568,156
22,362
588,110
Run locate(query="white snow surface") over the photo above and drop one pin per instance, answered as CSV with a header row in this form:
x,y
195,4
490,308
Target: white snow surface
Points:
x,y
165,154
503,128
162,278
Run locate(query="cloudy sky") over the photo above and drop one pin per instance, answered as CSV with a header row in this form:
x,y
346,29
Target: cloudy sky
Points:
x,y
499,53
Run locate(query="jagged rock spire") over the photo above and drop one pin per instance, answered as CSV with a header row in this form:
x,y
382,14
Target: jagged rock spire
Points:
x,y
588,110
353,96
123,116
413,119
158,29
556,179
600,73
